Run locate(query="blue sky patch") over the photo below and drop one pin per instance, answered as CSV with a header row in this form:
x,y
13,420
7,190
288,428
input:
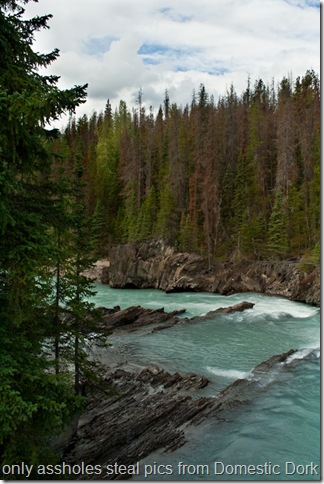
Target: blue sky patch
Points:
x,y
304,3
162,50
98,45
211,70
216,70
150,61
175,16
156,53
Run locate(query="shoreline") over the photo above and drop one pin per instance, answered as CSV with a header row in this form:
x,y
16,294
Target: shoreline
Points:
x,y
140,410
152,410
155,265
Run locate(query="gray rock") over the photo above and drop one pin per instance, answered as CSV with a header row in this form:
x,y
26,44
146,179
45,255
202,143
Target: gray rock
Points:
x,y
156,265
135,413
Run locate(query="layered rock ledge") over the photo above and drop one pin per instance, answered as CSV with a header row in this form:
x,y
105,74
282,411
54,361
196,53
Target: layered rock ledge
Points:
x,y
159,266
136,413
136,317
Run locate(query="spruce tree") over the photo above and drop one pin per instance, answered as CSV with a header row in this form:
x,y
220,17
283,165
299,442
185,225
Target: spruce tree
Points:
x,y
34,402
278,241
81,316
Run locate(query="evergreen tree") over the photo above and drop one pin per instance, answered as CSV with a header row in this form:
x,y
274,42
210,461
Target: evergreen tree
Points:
x,y
33,402
76,233
82,318
106,179
278,241
215,169
167,219
147,216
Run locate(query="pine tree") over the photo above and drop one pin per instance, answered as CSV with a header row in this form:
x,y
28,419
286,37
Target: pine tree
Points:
x,y
278,241
215,169
167,219
107,184
83,317
147,216
76,233
33,402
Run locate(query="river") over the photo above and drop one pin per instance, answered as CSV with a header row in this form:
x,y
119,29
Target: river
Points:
x,y
277,433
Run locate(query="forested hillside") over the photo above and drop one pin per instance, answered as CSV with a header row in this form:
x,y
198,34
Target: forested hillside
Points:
x,y
233,178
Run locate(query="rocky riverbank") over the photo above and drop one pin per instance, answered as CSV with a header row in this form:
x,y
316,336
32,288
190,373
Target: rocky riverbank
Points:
x,y
159,266
137,412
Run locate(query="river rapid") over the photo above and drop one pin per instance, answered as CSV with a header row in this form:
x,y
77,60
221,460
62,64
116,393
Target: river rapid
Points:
x,y
276,435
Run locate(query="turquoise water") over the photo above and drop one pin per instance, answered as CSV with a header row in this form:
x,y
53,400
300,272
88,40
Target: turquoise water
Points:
x,y
278,433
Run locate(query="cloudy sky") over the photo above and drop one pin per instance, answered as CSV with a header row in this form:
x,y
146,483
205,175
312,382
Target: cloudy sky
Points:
x,y
121,46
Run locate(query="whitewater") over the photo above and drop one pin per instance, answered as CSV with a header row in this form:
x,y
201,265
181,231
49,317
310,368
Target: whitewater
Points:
x,y
278,427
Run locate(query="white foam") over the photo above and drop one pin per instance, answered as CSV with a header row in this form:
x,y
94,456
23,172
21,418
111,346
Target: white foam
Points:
x,y
232,374
303,353
279,307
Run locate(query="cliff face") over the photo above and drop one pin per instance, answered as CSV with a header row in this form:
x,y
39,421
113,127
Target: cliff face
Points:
x,y
156,265
273,278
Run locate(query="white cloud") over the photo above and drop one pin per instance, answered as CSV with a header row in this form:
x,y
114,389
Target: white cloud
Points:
x,y
120,46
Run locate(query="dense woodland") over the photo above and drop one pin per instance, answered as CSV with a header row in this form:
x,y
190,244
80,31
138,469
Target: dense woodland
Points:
x,y
237,177
233,178
45,245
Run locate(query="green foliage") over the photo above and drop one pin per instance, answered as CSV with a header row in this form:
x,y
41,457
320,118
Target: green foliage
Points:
x,y
74,316
296,219
311,259
129,227
166,222
205,177
314,210
98,222
316,253
251,235
34,403
278,242
106,178
147,216
184,243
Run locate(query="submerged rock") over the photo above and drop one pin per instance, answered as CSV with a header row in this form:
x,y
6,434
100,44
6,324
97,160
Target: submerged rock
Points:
x,y
242,306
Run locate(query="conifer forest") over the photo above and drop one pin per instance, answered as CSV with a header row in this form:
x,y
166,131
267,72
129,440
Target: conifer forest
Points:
x,y
237,177
232,178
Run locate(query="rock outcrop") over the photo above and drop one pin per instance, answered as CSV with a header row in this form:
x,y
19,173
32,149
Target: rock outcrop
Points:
x,y
144,412
159,266
140,412
154,265
274,278
242,306
135,317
